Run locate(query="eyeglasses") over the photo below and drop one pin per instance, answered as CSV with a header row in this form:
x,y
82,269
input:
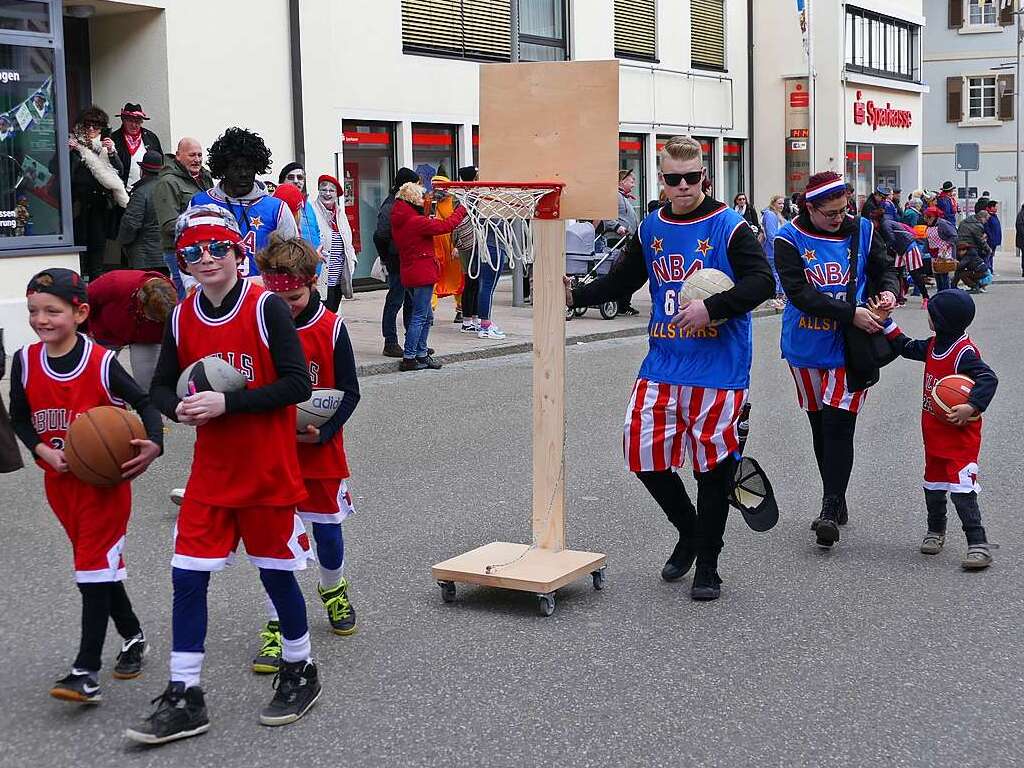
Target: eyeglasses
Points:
x,y
295,176
89,124
837,214
218,249
691,178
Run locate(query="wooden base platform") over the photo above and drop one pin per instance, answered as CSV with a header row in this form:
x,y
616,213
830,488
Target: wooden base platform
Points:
x,y
540,571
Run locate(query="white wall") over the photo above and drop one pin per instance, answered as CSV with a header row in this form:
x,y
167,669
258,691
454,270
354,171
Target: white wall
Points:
x,y
14,276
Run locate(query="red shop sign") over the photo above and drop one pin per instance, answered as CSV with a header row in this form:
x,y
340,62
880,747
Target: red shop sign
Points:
x,y
880,117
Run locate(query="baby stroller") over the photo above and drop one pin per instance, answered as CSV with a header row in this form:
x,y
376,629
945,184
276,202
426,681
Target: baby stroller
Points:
x,y
586,259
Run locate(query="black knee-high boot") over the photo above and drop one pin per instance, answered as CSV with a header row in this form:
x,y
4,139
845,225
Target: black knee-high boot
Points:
x,y
667,489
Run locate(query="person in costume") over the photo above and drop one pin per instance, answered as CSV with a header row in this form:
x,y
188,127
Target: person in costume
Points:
x,y
450,283
692,385
812,256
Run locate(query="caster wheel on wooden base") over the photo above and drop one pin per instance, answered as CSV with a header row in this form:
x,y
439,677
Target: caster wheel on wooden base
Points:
x,y
546,604
447,591
598,577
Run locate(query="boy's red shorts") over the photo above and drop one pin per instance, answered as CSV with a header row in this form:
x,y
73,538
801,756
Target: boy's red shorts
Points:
x,y
327,501
958,475
95,520
206,537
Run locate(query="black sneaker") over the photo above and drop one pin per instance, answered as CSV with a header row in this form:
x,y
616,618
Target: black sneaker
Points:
x,y
844,517
180,712
429,362
827,530
129,661
629,311
679,562
458,317
340,612
706,583
297,687
79,687
411,364
393,350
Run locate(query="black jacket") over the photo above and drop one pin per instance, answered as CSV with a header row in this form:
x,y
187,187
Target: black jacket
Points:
x,y
386,248
880,270
1020,228
149,139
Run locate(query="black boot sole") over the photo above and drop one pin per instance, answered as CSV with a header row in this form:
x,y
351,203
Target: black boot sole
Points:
x,y
675,571
827,533
703,594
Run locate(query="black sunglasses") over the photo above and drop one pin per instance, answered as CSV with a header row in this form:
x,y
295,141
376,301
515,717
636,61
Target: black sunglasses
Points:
x,y
691,178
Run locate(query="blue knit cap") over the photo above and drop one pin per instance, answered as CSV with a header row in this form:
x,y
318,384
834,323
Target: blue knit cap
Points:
x,y
951,310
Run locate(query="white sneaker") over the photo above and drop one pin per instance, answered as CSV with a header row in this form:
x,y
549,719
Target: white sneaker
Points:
x,y
491,332
470,328
177,496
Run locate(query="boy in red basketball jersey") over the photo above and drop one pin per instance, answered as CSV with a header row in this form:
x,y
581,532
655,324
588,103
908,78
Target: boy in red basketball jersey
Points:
x,y
245,480
288,268
52,383
951,441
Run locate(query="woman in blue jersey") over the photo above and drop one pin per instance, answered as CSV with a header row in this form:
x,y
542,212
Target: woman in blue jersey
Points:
x,y
812,256
693,383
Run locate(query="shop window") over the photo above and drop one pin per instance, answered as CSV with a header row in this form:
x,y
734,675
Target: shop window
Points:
x,y
434,152
368,169
707,34
476,146
31,190
636,29
25,16
732,160
631,158
860,170
542,30
882,46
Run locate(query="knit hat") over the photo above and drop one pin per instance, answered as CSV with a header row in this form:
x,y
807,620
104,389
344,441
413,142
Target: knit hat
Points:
x,y
205,222
326,177
63,283
951,310
291,196
828,182
404,176
932,211
292,166
468,173
152,161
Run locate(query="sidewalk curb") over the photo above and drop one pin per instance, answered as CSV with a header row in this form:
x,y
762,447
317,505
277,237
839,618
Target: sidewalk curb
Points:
x,y
504,350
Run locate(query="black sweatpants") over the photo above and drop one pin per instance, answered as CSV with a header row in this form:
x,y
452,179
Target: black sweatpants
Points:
x,y
101,602
832,432
470,292
966,505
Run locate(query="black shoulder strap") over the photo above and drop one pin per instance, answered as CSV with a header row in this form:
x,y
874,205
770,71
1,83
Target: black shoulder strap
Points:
x,y
851,283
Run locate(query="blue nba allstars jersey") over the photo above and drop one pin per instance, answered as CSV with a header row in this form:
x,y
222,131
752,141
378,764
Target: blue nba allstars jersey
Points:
x,y
817,342
257,220
717,356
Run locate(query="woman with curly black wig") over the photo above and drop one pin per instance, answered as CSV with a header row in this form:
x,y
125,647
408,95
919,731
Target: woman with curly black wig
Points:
x,y
235,158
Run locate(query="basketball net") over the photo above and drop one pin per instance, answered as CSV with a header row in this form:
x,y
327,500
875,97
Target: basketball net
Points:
x,y
501,219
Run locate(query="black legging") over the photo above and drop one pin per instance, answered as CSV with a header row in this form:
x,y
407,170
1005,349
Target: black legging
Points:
x,y
101,602
832,431
470,292
333,299
918,276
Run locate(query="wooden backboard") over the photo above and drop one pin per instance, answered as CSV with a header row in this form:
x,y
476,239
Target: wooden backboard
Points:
x,y
554,120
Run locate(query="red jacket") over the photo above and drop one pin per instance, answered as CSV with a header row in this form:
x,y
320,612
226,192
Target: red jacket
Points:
x,y
413,235
115,315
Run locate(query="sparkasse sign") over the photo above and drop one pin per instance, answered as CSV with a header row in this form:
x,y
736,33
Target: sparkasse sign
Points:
x,y
880,117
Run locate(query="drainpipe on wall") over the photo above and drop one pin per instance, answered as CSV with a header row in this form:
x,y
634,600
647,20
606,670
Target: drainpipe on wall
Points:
x,y
294,42
750,99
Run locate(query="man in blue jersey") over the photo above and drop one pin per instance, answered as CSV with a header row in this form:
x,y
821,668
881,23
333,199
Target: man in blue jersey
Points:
x,y
814,255
693,383
235,158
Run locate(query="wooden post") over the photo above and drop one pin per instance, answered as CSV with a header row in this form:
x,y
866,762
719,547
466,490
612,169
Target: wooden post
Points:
x,y
549,385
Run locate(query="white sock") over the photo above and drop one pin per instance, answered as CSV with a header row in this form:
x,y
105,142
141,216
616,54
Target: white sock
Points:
x,y
185,667
296,650
271,610
330,578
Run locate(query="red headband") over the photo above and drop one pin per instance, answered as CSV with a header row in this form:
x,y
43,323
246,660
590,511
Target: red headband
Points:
x,y
285,281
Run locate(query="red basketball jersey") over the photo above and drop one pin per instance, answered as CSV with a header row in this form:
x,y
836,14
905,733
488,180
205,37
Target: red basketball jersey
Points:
x,y
940,437
55,400
240,459
322,462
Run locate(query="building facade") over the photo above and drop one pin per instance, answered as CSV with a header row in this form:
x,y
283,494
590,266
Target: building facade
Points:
x,y
360,89
850,91
969,60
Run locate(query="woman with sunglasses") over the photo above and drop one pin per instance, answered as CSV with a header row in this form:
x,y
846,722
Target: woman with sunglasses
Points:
x,y
693,383
812,256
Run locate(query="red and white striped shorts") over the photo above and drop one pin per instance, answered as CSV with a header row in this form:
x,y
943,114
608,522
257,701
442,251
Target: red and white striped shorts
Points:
x,y
818,387
912,260
662,418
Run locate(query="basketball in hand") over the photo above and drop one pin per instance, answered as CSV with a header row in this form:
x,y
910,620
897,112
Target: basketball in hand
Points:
x,y
98,442
951,391
702,284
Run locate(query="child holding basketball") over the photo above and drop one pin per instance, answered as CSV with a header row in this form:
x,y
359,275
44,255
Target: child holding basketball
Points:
x,y
952,440
245,481
288,268
52,383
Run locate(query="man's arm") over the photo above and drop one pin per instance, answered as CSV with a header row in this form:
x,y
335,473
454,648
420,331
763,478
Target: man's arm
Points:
x,y
21,415
166,205
292,384
626,275
805,296
754,283
131,221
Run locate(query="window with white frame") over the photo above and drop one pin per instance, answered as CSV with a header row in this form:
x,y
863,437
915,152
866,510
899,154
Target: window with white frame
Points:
x,y
981,98
982,13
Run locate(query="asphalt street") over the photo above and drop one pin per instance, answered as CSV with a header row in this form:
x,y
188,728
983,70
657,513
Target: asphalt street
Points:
x,y
871,654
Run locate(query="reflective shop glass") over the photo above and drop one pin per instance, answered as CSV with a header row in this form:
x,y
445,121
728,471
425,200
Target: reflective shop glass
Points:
x,y
368,161
25,16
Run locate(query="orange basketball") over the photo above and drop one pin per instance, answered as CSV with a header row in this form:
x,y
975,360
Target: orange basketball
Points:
x,y
951,391
98,442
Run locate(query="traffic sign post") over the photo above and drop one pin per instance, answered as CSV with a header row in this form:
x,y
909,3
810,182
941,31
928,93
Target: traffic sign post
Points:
x,y
967,158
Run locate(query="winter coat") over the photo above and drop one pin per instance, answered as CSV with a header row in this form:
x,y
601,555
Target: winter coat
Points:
x,y
770,226
115,315
149,140
1020,228
994,231
139,233
387,251
413,234
971,233
174,189
626,218
946,204
342,276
